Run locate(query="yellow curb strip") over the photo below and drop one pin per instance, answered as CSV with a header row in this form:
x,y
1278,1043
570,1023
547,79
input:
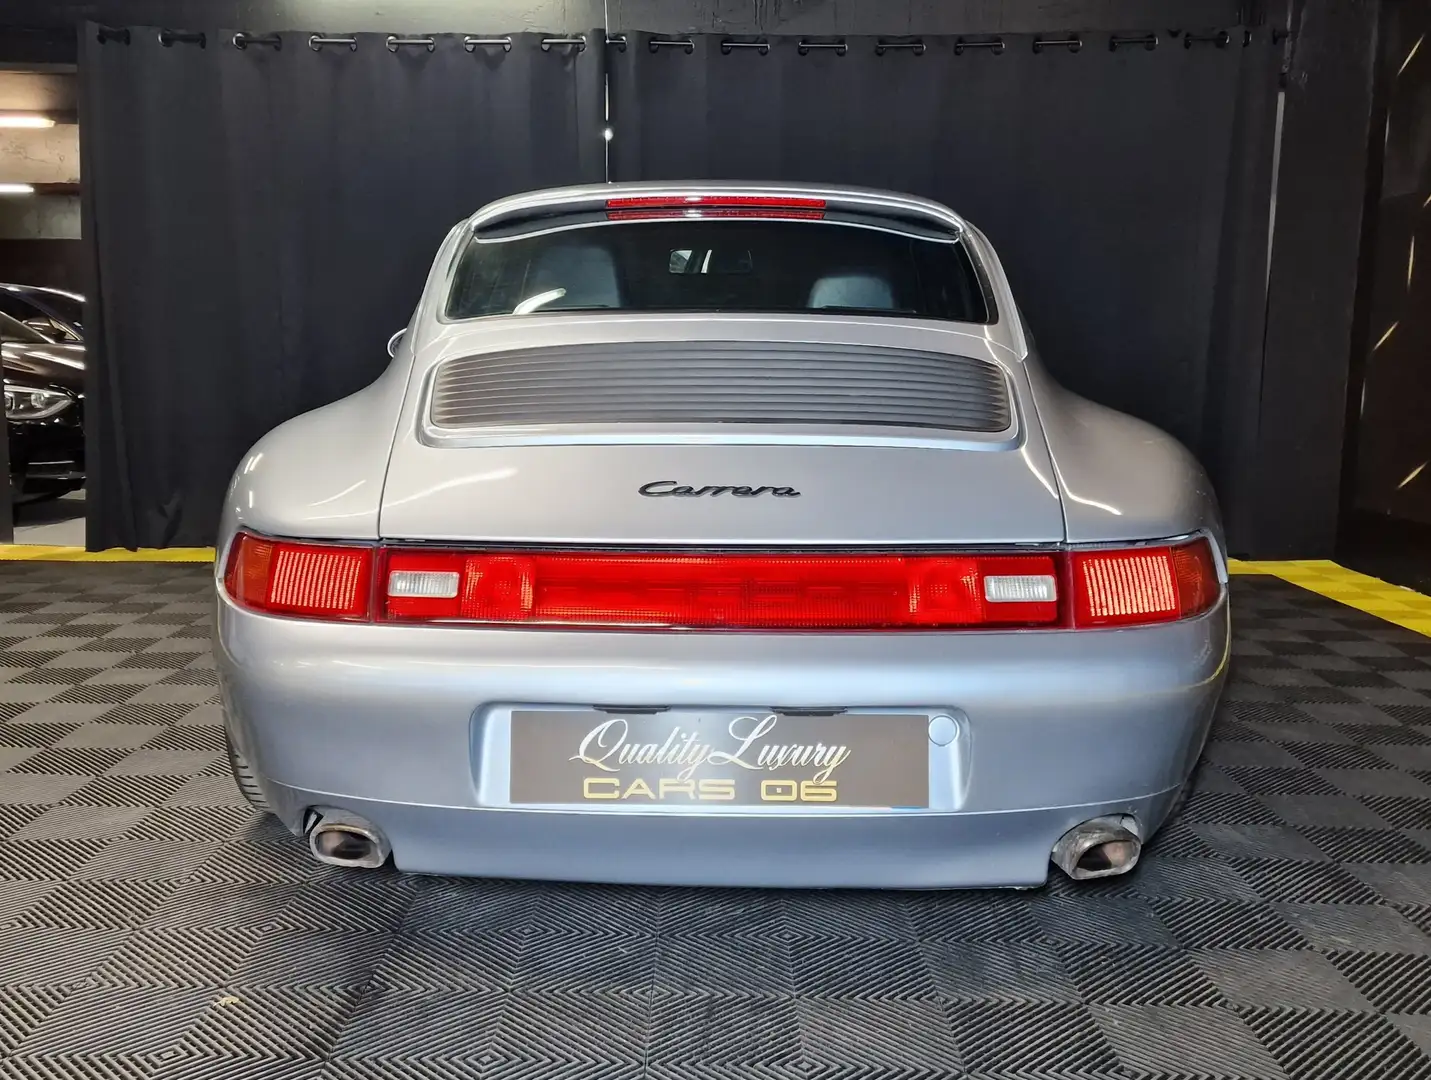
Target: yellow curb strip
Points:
x,y
42,553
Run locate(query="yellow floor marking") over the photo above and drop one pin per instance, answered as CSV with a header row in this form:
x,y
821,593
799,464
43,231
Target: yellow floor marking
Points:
x,y
41,552
1404,607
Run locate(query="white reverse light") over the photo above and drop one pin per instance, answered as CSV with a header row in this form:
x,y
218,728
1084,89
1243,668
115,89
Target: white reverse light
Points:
x,y
425,584
1020,588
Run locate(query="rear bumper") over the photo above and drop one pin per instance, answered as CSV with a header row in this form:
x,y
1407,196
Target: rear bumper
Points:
x,y
385,722
894,851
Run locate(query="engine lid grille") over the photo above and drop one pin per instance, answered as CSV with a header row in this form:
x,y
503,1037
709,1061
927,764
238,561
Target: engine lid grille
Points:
x,y
720,384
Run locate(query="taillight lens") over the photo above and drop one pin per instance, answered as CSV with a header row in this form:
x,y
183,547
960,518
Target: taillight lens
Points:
x,y
796,591
1132,586
732,592
315,581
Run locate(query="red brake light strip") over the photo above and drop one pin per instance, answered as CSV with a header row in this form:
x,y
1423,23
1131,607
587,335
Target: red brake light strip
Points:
x,y
638,207
659,202
793,591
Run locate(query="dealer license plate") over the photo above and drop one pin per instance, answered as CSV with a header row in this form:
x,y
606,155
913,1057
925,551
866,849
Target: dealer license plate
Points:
x,y
693,758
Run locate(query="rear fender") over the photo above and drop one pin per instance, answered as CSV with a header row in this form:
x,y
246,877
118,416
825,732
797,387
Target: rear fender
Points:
x,y
1119,478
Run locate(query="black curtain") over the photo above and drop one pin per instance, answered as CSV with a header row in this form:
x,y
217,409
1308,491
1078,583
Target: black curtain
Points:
x,y
262,218
1125,187
1391,406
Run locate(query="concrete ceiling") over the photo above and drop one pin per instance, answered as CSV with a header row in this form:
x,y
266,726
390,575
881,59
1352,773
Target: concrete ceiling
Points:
x,y
28,91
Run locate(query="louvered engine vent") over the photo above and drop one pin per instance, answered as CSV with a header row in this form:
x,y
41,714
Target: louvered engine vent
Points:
x,y
648,383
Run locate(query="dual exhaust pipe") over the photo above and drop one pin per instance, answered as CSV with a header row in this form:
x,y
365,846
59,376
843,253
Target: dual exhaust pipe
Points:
x,y
1101,847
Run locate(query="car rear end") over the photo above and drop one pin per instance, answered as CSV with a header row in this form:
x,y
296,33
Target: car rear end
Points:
x,y
760,578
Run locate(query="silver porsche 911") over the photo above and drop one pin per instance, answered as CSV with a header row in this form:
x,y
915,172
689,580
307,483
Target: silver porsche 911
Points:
x,y
720,534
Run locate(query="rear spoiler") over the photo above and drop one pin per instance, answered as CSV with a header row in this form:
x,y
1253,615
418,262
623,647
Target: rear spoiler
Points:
x,y
647,201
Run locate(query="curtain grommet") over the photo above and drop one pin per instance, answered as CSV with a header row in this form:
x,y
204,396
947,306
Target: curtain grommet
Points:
x,y
1148,41
729,45
882,46
994,45
242,41
472,43
317,41
579,41
395,43
1221,39
170,38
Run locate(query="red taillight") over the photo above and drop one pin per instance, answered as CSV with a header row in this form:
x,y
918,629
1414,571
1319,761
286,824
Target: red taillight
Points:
x,y
795,591
316,581
1143,585
632,207
731,592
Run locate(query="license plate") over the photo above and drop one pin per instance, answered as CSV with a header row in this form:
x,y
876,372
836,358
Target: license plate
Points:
x,y
695,758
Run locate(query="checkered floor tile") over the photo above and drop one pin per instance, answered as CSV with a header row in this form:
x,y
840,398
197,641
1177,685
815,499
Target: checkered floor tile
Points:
x,y
151,926
1402,606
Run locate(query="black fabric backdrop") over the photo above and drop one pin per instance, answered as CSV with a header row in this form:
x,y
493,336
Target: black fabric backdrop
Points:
x,y
1125,189
263,219
1392,424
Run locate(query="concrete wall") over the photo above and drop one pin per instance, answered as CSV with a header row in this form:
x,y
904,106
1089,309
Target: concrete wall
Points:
x,y
39,234
40,217
32,91
43,156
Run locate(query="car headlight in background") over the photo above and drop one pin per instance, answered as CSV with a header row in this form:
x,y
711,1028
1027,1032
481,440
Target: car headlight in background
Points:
x,y
33,403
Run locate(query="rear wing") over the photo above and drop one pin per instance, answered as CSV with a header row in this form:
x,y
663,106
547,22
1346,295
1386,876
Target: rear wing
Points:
x,y
626,202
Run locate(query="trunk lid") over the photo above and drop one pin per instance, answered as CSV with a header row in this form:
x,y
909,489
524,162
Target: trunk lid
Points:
x,y
762,431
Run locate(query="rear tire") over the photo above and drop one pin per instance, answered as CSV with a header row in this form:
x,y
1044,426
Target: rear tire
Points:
x,y
244,778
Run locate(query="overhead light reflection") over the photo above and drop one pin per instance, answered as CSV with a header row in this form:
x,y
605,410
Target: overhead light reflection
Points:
x,y
334,498
1389,331
461,481
17,189
1411,54
25,120
1096,504
1412,475
1038,474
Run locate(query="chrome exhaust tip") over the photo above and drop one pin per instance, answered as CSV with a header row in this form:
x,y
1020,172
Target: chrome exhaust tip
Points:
x,y
1101,847
342,839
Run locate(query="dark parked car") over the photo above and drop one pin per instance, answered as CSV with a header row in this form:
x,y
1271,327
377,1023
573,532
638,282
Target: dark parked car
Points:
x,y
58,314
44,410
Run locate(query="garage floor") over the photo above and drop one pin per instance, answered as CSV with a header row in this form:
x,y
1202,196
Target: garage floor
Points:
x,y
151,926
52,522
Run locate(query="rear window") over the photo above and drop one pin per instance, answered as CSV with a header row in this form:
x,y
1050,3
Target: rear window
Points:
x,y
693,265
